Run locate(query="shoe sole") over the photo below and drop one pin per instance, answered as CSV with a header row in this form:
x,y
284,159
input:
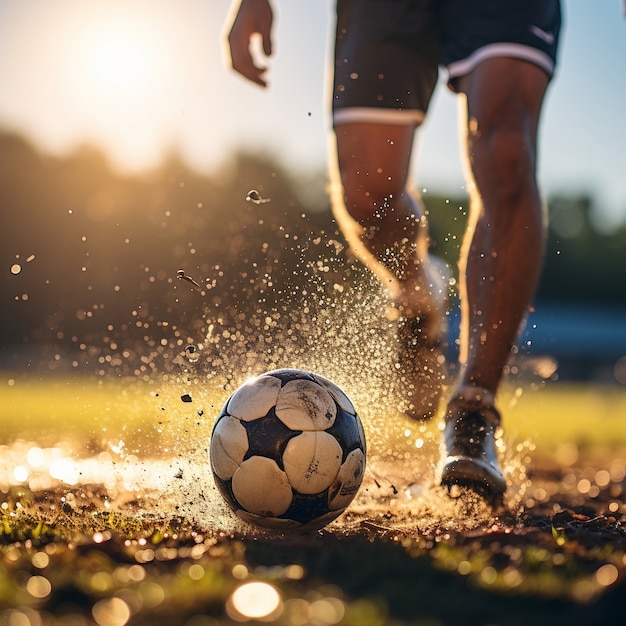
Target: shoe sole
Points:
x,y
473,474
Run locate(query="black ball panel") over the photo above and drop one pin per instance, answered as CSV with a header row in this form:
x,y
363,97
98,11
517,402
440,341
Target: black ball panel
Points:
x,y
223,413
306,508
268,437
346,432
286,374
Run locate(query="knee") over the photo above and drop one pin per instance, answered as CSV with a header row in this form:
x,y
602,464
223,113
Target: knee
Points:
x,y
503,163
368,196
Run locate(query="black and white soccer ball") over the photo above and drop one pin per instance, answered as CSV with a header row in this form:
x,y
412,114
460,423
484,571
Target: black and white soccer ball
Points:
x,y
288,451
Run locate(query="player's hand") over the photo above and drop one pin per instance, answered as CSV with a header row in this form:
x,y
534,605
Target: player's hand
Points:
x,y
253,19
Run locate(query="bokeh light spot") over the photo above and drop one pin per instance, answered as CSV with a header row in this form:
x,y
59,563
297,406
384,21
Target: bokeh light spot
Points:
x,y
38,586
40,560
255,600
111,612
607,575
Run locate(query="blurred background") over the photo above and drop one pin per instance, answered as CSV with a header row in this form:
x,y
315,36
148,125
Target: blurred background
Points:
x,y
127,149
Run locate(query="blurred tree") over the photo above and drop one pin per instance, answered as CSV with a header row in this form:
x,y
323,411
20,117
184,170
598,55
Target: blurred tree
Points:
x,y
583,264
91,258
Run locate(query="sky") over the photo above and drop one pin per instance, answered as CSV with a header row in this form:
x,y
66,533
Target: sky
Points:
x,y
140,78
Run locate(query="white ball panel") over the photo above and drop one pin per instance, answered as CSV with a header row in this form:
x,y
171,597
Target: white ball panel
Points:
x,y
305,405
312,461
229,444
261,487
255,398
337,393
348,480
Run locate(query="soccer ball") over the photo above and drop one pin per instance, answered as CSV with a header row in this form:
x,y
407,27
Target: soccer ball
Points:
x,y
288,451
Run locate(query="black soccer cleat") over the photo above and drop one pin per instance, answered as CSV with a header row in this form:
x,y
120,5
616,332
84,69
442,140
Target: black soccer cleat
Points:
x,y
469,457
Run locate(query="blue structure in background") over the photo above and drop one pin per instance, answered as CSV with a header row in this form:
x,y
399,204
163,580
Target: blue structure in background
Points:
x,y
587,342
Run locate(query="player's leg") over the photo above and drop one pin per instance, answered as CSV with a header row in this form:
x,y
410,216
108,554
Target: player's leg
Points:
x,y
501,254
387,230
501,56
386,59
503,249
384,223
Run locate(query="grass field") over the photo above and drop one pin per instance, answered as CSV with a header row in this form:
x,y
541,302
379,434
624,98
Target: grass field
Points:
x,y
108,517
588,415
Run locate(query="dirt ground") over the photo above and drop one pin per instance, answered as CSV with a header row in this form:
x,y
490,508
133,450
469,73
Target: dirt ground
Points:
x,y
555,553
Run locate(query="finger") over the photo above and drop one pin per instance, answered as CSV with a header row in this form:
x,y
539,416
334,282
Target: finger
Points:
x,y
246,67
267,45
256,77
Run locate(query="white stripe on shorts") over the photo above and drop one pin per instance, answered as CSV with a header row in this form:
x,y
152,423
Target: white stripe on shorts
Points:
x,y
378,115
515,50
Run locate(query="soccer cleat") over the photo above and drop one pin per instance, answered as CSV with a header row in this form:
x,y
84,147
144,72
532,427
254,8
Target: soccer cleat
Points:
x,y
469,457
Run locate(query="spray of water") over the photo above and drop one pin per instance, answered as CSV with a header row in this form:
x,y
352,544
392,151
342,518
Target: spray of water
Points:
x,y
332,321
327,316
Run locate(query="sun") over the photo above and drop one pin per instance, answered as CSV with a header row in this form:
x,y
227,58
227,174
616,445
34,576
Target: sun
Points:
x,y
120,83
118,61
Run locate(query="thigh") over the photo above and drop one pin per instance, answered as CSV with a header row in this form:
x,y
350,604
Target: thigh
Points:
x,y
386,60
504,100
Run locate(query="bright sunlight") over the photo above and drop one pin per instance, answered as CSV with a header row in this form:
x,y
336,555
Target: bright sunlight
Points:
x,y
141,79
116,74
118,60
118,70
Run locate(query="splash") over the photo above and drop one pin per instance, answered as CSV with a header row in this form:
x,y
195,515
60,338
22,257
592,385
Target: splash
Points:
x,y
329,315
331,319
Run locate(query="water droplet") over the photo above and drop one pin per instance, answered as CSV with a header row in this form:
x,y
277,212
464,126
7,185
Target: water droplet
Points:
x,y
254,196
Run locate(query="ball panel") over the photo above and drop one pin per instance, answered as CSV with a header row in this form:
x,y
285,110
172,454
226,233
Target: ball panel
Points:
x,y
359,425
229,444
305,405
261,487
347,432
348,481
268,437
312,461
255,398
307,508
286,374
339,396
270,523
323,520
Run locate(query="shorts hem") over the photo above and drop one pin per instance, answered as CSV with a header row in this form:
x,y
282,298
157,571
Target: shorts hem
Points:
x,y
462,67
378,115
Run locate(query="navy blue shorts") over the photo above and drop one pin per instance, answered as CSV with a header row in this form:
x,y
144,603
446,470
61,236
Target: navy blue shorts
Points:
x,y
388,52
